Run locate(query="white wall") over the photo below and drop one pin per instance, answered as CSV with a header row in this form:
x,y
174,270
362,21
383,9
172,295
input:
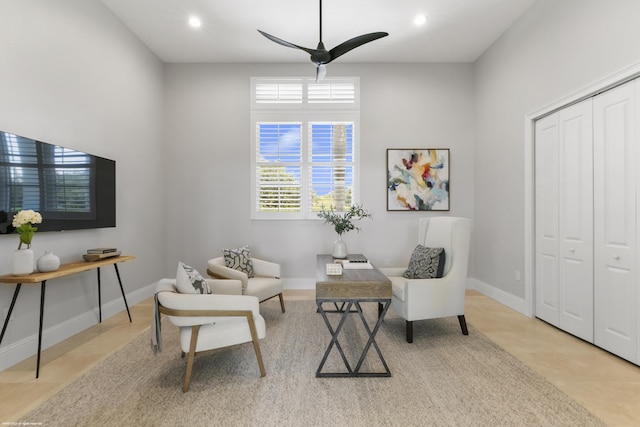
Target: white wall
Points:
x,y
72,75
208,142
558,47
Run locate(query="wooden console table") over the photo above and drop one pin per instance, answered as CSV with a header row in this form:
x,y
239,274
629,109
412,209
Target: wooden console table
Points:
x,y
63,271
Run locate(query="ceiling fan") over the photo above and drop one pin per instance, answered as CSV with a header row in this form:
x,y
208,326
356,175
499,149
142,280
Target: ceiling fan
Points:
x,y
321,56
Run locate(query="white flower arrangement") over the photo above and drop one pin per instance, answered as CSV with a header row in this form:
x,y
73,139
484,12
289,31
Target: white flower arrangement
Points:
x,y
23,222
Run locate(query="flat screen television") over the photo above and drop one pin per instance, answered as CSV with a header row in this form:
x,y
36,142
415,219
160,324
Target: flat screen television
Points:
x,y
71,189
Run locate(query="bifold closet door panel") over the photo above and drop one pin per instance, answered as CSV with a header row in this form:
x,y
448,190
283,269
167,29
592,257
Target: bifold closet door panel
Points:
x,y
564,221
615,217
576,220
546,223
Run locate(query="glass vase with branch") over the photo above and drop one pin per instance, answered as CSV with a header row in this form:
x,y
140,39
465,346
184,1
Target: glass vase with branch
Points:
x,y
343,222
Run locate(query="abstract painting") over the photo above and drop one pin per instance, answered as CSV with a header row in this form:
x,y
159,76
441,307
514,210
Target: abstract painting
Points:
x,y
418,179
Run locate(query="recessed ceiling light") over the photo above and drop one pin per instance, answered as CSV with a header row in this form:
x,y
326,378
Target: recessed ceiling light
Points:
x,y
195,22
420,20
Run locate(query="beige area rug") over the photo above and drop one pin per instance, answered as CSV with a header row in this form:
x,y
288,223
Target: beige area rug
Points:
x,y
442,379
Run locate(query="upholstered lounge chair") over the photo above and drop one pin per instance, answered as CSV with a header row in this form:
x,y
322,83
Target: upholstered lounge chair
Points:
x,y
207,322
265,284
420,299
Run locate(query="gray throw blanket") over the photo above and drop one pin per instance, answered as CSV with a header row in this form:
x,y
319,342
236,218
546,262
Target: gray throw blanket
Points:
x,y
164,285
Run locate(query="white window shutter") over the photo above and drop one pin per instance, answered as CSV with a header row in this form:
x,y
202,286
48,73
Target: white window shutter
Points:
x,y
305,155
278,93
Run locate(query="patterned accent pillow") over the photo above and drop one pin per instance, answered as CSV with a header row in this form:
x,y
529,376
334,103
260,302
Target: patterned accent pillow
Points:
x,y
239,259
189,281
425,263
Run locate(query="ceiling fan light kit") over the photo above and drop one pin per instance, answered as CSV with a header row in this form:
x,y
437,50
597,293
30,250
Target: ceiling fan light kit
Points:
x,y
321,56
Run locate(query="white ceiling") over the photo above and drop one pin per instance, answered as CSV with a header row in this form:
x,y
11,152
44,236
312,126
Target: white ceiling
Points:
x,y
456,30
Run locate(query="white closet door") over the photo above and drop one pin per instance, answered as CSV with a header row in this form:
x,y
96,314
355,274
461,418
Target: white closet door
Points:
x,y
576,220
547,236
615,221
564,220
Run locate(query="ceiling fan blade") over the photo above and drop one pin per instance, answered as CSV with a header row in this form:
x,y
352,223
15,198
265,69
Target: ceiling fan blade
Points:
x,y
320,56
353,43
286,43
321,72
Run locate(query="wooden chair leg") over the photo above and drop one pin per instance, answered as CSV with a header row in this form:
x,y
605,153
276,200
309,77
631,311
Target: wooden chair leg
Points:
x,y
463,325
192,355
256,344
409,331
281,301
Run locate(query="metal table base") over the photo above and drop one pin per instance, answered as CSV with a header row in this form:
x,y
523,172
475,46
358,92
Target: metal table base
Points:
x,y
383,305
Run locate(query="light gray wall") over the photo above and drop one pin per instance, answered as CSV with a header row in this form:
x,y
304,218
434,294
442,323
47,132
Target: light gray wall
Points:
x,y
71,74
556,48
208,141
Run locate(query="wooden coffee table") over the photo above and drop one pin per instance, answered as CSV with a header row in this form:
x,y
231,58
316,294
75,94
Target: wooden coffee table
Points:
x,y
352,288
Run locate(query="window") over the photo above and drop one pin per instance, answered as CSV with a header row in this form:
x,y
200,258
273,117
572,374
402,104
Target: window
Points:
x,y
53,180
304,146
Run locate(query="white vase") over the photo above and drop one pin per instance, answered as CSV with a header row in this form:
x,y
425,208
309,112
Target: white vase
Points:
x,y
48,262
22,262
339,248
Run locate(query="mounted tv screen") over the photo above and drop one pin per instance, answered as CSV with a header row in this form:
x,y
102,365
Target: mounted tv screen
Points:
x,y
72,190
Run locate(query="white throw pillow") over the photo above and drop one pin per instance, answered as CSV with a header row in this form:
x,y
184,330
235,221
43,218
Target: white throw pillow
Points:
x,y
189,281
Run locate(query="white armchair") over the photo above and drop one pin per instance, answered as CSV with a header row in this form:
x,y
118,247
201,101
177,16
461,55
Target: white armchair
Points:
x,y
265,284
420,299
210,321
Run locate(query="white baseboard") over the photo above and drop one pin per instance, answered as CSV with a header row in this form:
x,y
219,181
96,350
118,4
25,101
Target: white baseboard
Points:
x,y
20,350
23,349
516,303
492,292
299,283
